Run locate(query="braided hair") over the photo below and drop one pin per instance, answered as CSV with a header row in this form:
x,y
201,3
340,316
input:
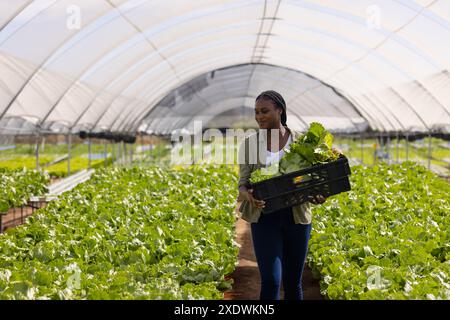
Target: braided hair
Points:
x,y
278,100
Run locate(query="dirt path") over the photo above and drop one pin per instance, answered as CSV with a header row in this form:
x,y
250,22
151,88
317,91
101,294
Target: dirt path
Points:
x,y
246,275
15,217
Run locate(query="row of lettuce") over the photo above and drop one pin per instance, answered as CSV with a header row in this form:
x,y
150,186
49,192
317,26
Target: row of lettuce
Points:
x,y
19,181
135,233
53,158
388,238
159,155
55,170
127,233
60,169
17,186
23,156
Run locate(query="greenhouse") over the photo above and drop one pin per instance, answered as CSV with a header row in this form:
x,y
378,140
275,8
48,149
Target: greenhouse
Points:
x,y
122,124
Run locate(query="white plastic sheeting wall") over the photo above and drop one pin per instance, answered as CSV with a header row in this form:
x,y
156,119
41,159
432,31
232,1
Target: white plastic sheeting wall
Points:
x,y
105,64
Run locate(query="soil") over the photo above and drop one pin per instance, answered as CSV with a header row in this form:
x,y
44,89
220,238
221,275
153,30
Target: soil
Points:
x,y
17,216
246,278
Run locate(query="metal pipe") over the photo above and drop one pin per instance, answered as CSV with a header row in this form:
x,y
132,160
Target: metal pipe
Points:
x,y
37,151
362,150
375,147
113,153
105,147
119,155
142,147
150,146
69,147
43,143
381,148
397,151
407,146
124,153
429,150
123,149
89,152
131,153
158,157
116,155
388,148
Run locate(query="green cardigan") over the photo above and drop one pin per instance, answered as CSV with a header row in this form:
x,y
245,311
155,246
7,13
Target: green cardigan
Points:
x,y
249,162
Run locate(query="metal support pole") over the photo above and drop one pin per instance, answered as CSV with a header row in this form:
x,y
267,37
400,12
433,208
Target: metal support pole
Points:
x,y
388,148
37,151
397,152
116,155
69,149
407,147
89,153
105,146
345,141
381,149
124,154
150,146
43,143
380,141
375,150
362,149
142,147
429,150
159,153
131,153
113,152
119,155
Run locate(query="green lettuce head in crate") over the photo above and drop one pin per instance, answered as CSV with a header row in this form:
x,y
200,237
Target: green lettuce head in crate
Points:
x,y
312,147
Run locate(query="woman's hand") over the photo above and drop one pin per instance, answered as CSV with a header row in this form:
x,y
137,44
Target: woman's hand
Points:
x,y
319,199
247,194
336,151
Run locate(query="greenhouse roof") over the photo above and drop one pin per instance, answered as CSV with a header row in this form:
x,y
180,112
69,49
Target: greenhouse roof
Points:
x,y
158,65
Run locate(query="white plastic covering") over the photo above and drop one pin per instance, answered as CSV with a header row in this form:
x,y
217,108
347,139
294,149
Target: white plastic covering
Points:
x,y
106,64
207,97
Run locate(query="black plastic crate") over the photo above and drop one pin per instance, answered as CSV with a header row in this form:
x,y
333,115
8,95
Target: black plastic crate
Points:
x,y
296,187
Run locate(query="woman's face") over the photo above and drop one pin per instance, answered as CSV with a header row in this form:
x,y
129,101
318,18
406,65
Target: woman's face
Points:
x,y
267,115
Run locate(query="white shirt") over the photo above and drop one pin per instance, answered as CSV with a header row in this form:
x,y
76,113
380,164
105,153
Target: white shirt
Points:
x,y
273,157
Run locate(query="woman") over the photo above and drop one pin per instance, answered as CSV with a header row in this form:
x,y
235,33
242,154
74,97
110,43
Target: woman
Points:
x,y
280,239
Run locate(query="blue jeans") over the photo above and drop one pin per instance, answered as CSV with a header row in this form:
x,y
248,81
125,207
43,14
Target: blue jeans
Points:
x,y
280,248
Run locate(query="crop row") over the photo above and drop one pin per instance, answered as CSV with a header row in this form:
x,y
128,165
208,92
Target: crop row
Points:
x,y
385,239
27,162
127,233
79,163
17,186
